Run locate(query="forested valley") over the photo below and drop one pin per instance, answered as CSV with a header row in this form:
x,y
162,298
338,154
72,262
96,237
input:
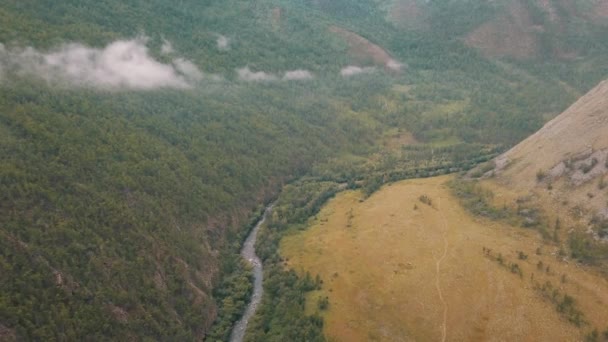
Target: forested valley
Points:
x,y
123,207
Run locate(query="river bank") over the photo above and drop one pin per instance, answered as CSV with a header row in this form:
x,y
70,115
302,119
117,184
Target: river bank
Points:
x,y
248,253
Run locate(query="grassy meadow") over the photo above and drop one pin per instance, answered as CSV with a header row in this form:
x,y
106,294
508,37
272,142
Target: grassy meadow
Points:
x,y
409,263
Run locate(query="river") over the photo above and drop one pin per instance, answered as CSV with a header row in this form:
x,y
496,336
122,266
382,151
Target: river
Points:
x,y
248,252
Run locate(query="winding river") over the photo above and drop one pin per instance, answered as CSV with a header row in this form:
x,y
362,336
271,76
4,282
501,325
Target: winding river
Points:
x,y
248,252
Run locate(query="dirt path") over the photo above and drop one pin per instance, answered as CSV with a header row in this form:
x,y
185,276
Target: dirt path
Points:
x,y
438,272
395,270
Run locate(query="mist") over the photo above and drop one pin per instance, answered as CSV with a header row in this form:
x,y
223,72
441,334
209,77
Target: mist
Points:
x,y
245,74
167,47
124,64
353,70
298,75
223,43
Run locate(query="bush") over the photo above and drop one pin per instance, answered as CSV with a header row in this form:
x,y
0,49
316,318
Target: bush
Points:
x,y
588,167
323,303
426,200
521,255
592,336
540,175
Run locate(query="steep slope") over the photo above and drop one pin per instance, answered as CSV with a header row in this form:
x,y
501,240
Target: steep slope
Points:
x,y
120,200
555,183
570,151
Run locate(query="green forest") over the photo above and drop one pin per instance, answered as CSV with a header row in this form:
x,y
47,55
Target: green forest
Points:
x,y
122,212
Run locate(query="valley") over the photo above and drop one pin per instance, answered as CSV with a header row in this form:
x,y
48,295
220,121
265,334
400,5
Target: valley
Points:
x,y
140,142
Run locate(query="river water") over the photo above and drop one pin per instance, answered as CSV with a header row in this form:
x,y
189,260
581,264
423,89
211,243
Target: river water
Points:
x,y
248,252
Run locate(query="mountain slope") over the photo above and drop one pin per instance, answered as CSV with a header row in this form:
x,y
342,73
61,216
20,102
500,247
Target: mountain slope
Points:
x,y
555,182
570,151
122,203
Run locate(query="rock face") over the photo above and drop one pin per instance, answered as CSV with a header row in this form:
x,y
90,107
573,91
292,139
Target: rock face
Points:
x,y
570,152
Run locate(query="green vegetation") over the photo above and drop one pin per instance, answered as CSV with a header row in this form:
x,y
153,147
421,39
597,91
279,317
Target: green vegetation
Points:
x,y
235,288
540,175
587,250
426,200
564,303
477,200
513,267
128,208
323,303
121,213
281,315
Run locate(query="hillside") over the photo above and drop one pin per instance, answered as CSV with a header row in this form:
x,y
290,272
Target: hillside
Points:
x,y
570,152
562,38
409,263
139,139
555,183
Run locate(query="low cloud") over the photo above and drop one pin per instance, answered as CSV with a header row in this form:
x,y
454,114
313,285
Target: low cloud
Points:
x,y
352,70
394,65
122,64
223,43
245,74
167,47
188,69
297,75
1,67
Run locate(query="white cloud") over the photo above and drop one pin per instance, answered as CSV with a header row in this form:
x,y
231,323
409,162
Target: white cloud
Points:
x,y
352,70
394,65
223,43
188,69
167,47
297,75
245,74
215,77
122,64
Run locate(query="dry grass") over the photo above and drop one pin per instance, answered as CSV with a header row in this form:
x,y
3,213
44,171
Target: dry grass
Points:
x,y
392,272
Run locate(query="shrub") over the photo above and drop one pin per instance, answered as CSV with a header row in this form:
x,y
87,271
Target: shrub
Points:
x,y
540,175
323,303
426,200
588,167
521,255
592,336
601,184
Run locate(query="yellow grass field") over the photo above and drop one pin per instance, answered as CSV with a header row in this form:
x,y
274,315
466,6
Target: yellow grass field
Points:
x,y
396,269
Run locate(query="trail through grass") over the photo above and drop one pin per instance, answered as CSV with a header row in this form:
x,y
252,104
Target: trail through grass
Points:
x,y
396,269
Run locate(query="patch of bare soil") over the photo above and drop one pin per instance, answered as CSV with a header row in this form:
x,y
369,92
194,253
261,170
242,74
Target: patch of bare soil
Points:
x,y
365,52
7,335
601,9
276,16
512,35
